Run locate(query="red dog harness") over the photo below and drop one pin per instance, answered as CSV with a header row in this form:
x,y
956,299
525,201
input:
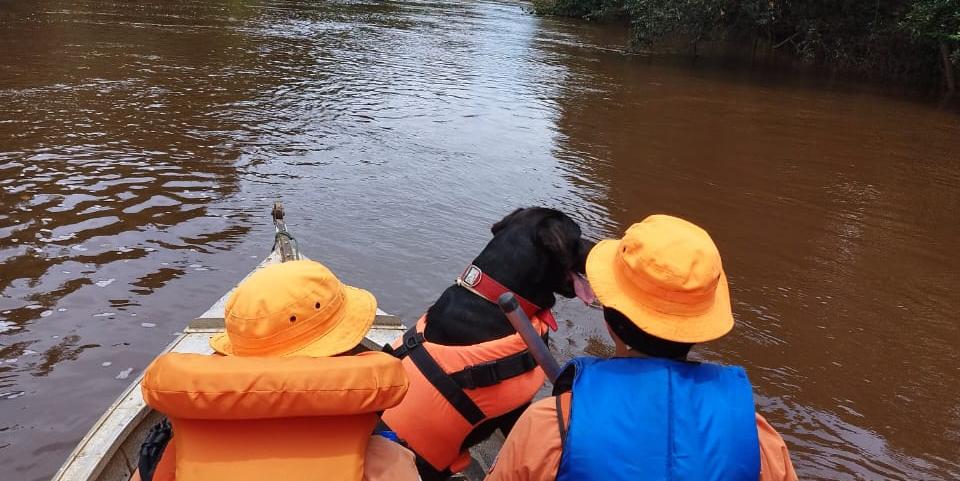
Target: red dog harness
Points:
x,y
474,280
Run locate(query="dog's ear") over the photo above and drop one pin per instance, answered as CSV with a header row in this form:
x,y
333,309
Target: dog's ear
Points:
x,y
506,220
557,235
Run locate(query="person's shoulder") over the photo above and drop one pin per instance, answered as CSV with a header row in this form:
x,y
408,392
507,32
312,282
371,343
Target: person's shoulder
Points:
x,y
764,427
775,462
545,410
532,450
547,404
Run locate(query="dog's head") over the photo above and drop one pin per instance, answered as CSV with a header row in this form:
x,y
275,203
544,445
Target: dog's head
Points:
x,y
545,253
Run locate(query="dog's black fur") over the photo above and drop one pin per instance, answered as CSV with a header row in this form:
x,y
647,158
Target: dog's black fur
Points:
x,y
532,253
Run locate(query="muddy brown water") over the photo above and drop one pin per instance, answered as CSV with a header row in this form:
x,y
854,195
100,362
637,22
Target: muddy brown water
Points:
x,y
141,146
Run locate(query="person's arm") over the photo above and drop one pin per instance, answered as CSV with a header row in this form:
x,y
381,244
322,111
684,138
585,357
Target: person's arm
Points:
x,y
533,448
775,464
387,460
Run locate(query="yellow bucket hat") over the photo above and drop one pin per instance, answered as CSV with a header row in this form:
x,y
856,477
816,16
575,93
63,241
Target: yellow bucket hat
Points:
x,y
296,308
665,275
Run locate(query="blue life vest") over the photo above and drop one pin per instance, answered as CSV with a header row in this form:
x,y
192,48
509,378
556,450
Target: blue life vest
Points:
x,y
641,419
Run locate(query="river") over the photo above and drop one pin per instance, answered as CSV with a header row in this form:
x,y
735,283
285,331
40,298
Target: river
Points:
x,y
142,145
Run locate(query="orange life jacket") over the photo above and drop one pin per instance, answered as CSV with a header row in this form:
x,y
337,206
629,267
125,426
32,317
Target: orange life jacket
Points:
x,y
257,418
493,377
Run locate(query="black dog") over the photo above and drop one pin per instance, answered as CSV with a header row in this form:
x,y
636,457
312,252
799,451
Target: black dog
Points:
x,y
536,253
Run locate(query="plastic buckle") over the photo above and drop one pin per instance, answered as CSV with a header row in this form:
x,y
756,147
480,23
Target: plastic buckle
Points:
x,y
484,375
411,342
467,380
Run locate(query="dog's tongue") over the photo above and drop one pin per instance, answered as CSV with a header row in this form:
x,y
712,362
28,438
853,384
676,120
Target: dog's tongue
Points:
x,y
582,287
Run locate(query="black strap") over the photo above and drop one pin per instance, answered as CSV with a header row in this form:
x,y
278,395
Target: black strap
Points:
x,y
405,347
152,448
476,376
494,372
561,424
445,385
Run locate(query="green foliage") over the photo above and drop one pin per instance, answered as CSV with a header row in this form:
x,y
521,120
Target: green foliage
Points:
x,y
937,19
694,20
818,30
588,9
878,38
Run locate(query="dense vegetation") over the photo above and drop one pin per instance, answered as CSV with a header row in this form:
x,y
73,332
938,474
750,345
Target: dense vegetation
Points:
x,y
907,40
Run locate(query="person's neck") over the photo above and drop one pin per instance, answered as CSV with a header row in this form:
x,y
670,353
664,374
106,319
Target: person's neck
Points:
x,y
624,351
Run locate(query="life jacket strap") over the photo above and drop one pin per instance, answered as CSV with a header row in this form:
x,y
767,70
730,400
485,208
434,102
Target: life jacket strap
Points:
x,y
444,384
411,340
479,375
494,372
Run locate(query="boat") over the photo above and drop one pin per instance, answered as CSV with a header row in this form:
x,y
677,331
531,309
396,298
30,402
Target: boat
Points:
x,y
110,450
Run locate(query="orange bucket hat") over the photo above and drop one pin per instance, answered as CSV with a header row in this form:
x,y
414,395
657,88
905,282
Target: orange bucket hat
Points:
x,y
665,275
296,308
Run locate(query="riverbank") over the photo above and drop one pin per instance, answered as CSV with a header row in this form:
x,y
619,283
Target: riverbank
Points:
x,y
915,42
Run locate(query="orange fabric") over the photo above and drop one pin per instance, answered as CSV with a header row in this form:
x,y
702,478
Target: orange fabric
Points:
x,y
532,450
666,276
389,461
166,469
249,419
291,449
775,463
196,386
385,461
296,308
430,425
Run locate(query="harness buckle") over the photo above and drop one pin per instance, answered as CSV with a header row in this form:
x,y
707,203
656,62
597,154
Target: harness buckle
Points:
x,y
411,342
481,375
470,277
